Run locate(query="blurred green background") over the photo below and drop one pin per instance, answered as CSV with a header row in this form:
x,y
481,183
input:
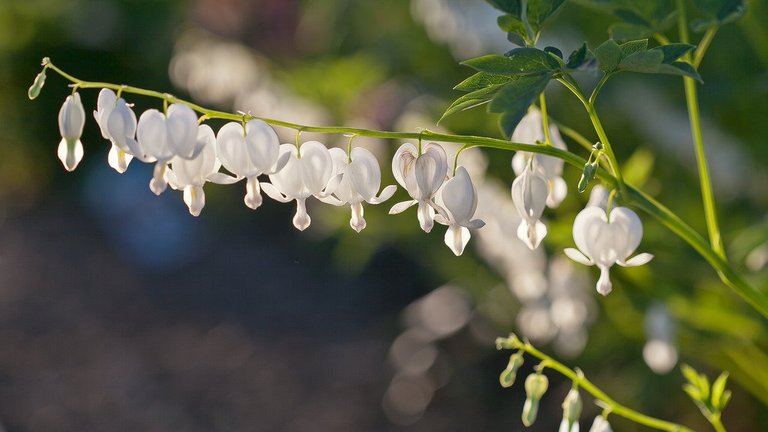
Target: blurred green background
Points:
x,y
120,311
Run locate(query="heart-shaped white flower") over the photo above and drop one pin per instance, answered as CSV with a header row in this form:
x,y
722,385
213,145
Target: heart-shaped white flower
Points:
x,y
421,175
302,177
458,199
190,175
71,122
249,152
529,194
118,125
359,182
607,238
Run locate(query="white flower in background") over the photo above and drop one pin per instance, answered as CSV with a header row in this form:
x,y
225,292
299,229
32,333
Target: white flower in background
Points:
x,y
659,352
421,175
605,239
161,137
360,181
301,178
458,198
71,122
190,175
118,125
530,130
529,194
249,152
600,425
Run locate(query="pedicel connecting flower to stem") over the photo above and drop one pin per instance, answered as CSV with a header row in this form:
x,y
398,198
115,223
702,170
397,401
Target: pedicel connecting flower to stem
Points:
x,y
607,237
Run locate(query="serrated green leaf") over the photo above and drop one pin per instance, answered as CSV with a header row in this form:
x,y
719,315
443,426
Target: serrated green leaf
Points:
x,y
631,47
718,388
608,55
679,68
577,57
515,62
674,51
537,11
722,11
642,61
480,81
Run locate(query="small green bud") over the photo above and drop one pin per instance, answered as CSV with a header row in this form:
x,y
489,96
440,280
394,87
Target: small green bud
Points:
x,y
536,385
598,146
587,175
572,407
508,375
530,410
34,89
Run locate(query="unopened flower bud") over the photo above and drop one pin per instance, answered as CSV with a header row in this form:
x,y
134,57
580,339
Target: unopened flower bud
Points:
x,y
571,411
536,385
587,175
508,375
34,89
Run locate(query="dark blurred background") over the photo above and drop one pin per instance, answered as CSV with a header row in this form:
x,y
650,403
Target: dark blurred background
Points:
x,y
119,311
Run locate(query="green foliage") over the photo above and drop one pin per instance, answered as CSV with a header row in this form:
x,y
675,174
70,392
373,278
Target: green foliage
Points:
x,y
638,18
634,56
510,83
718,12
711,400
524,19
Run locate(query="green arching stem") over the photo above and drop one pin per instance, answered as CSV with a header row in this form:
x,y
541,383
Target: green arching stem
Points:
x,y
545,119
666,217
698,54
592,113
578,378
692,100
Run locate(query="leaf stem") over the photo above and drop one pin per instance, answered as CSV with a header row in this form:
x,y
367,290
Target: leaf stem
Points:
x,y
512,342
692,100
666,217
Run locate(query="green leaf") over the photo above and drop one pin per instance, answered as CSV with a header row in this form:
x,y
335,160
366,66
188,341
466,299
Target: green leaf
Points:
x,y
720,12
608,55
578,57
693,392
718,388
642,61
631,47
679,68
724,400
537,11
471,100
674,51
516,62
554,51
514,98
481,80
516,32
640,18
624,31
690,374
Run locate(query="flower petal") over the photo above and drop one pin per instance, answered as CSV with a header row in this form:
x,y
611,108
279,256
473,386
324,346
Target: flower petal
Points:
x,y
194,197
118,159
604,285
223,179
401,206
577,256
531,233
456,238
181,125
252,193
426,216
636,260
385,194
357,221
301,220
70,153
274,193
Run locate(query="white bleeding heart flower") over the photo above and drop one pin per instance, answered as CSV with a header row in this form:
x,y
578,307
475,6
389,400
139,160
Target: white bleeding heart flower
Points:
x,y
249,152
530,130
529,194
421,175
302,177
118,125
604,239
359,182
458,199
190,175
71,122
161,137
600,425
